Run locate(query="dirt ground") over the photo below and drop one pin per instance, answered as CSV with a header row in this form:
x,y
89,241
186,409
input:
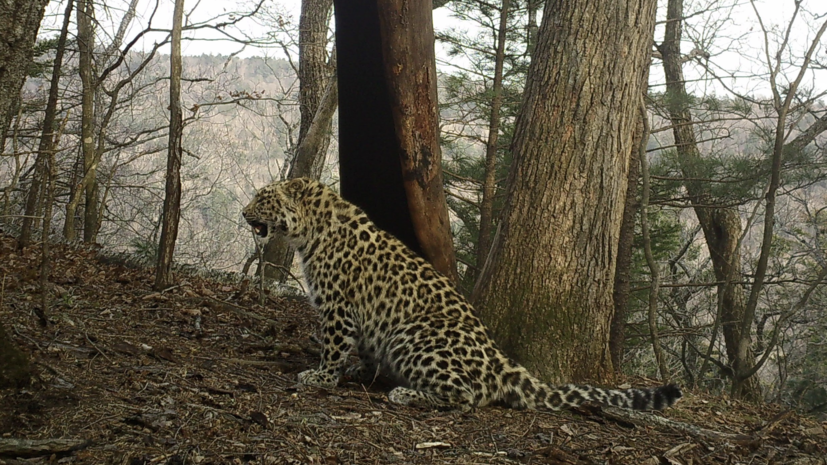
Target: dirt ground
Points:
x,y
203,374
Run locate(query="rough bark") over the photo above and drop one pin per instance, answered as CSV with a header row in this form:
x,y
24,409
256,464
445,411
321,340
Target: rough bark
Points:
x,y
407,32
86,45
721,226
17,171
19,23
489,183
387,118
546,289
172,198
46,146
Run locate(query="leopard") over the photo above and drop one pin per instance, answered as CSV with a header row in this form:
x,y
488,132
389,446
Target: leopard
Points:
x,y
402,317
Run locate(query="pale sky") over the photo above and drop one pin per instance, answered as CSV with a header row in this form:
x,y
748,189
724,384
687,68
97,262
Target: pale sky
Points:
x,y
737,50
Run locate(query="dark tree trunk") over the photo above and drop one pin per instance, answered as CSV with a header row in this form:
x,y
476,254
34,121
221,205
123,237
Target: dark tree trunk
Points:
x,y
389,157
721,225
546,289
46,147
172,199
407,32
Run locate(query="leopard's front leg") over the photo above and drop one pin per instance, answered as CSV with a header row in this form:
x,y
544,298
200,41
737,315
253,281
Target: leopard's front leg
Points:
x,y
339,339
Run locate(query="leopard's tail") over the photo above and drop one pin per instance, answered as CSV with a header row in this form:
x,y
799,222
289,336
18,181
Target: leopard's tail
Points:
x,y
522,390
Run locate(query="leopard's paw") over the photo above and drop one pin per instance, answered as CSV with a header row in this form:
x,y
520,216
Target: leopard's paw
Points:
x,y
317,378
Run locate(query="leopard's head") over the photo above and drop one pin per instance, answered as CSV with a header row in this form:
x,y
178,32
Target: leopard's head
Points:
x,y
280,206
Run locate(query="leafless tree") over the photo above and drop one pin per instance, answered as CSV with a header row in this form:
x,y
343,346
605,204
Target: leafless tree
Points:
x,y
719,217
172,197
47,137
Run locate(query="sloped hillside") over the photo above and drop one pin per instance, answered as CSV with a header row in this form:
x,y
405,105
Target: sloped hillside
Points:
x,y
203,374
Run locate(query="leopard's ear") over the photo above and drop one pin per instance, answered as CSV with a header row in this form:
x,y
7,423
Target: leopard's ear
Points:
x,y
296,188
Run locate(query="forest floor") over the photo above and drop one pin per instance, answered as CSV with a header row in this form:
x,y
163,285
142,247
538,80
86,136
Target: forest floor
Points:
x,y
203,374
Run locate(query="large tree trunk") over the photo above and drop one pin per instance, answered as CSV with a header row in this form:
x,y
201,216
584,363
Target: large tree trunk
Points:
x,y
19,23
410,69
721,226
172,199
46,146
546,288
389,157
317,103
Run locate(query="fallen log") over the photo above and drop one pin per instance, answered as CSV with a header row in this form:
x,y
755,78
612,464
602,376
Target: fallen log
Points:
x,y
11,447
661,423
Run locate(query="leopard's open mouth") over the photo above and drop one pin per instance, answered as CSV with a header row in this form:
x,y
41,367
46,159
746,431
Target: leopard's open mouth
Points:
x,y
259,228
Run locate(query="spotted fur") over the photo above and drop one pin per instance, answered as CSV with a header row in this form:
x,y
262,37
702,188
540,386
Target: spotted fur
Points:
x,y
402,316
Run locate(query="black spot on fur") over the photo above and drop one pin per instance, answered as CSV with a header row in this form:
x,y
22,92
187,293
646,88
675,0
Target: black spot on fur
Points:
x,y
574,398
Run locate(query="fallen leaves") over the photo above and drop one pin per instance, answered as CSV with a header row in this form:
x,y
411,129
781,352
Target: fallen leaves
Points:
x,y
202,374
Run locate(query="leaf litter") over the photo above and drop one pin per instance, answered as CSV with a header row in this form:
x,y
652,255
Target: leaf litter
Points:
x,y
203,374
